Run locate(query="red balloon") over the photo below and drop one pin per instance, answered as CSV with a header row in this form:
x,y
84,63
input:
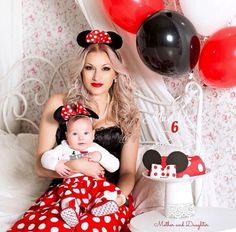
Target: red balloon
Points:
x,y
217,61
130,14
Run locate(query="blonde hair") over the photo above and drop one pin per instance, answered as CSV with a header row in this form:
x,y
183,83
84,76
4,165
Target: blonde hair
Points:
x,y
124,111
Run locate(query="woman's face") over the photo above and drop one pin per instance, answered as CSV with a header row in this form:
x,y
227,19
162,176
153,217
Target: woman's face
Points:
x,y
97,73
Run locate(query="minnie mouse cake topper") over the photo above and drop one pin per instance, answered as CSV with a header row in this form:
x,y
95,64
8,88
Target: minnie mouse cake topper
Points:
x,y
177,170
176,164
110,38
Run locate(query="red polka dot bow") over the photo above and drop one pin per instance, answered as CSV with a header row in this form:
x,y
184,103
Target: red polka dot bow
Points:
x,y
67,111
98,36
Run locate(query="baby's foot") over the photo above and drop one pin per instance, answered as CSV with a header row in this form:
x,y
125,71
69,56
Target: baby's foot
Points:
x,y
104,207
70,217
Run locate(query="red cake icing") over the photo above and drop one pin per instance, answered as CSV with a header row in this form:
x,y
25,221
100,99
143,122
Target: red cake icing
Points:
x,y
195,167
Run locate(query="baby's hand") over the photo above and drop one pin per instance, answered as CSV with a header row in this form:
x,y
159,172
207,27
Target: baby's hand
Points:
x,y
62,169
94,156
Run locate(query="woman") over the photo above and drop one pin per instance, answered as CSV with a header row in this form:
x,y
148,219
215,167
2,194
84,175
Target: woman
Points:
x,y
102,83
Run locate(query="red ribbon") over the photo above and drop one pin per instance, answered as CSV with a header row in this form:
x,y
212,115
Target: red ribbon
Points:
x,y
83,152
68,112
98,36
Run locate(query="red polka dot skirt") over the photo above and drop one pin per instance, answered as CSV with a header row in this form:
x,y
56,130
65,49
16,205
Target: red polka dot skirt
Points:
x,y
44,215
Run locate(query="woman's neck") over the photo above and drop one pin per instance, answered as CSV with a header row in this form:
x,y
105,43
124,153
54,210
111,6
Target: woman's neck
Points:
x,y
102,102
101,99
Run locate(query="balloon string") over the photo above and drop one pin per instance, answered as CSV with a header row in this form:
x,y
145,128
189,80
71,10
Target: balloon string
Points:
x,y
175,5
190,76
230,23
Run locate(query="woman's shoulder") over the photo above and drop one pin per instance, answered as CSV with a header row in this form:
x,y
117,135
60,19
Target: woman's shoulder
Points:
x,y
55,101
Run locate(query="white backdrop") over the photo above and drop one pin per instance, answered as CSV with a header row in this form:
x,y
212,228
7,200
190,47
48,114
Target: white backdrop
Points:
x,y
11,48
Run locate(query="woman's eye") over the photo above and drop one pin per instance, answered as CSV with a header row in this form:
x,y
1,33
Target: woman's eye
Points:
x,y
74,133
86,133
88,68
106,69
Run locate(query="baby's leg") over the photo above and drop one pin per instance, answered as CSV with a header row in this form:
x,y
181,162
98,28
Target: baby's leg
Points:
x,y
106,201
70,211
71,202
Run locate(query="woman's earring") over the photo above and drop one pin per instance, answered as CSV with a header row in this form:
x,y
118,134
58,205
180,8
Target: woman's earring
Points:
x,y
115,80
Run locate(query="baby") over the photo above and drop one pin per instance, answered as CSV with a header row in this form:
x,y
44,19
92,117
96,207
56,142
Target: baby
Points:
x,y
79,191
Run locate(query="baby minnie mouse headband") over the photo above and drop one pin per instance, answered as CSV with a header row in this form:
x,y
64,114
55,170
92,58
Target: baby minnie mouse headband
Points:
x,y
110,38
67,111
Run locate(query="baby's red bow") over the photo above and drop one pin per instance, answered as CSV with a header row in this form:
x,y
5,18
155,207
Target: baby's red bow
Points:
x,y
68,112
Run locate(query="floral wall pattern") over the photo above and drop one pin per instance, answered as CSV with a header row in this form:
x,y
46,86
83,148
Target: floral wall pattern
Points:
x,y
50,29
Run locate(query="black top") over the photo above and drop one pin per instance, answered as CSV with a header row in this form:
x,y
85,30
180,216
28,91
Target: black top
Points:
x,y
110,138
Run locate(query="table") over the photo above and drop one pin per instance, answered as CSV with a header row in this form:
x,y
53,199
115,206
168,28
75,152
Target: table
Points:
x,y
206,219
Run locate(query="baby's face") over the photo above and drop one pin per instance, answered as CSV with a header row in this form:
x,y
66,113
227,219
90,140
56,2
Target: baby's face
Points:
x,y
80,134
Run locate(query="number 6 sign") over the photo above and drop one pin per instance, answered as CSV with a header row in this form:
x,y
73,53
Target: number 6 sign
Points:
x,y
174,127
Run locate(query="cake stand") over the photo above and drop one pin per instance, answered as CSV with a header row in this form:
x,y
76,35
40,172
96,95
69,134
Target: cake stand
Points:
x,y
178,195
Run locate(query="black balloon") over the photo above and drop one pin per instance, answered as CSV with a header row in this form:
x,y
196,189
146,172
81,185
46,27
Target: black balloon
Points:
x,y
168,44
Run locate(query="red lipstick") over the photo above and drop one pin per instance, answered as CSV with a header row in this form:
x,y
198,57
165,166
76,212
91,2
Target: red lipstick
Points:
x,y
96,85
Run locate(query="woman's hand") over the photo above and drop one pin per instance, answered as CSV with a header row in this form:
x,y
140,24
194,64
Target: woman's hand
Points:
x,y
86,167
121,199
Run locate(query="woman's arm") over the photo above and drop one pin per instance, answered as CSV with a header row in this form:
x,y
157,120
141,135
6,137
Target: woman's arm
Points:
x,y
128,164
88,168
47,134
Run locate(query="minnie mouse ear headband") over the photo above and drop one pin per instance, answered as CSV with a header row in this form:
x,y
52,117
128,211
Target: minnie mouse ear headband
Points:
x,y
68,111
110,38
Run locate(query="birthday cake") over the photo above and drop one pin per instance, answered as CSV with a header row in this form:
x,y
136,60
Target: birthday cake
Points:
x,y
175,165
172,168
